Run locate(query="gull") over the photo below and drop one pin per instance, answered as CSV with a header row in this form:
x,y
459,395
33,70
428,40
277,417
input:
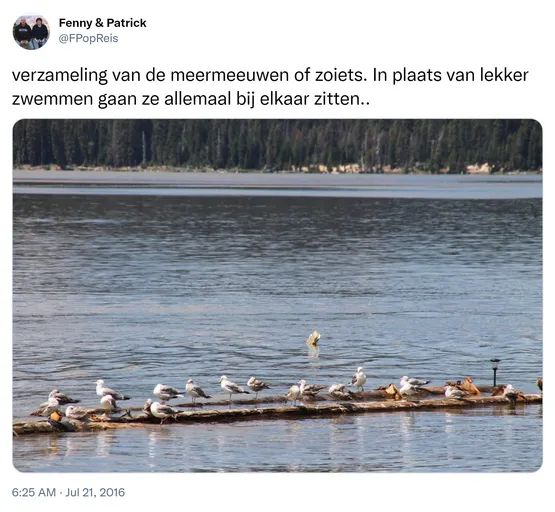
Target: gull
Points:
x,y
313,339
77,413
47,408
257,385
162,411
414,382
195,391
359,379
408,389
341,392
231,387
62,398
102,391
166,393
510,393
311,389
295,392
146,408
451,392
108,403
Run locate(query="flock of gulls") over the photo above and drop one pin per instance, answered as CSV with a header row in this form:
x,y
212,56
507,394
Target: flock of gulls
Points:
x,y
408,387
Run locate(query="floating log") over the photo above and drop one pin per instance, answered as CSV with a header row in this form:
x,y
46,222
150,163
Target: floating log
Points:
x,y
282,412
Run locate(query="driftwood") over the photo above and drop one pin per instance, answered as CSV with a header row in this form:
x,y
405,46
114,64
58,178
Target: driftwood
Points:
x,y
287,411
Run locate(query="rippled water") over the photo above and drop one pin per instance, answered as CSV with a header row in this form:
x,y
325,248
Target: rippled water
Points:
x,y
141,289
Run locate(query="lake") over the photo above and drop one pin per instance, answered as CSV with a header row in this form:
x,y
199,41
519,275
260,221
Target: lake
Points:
x,y
137,281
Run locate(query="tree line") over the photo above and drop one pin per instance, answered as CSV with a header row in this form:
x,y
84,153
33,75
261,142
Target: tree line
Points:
x,y
262,144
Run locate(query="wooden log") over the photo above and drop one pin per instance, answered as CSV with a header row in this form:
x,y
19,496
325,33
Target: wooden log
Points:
x,y
282,412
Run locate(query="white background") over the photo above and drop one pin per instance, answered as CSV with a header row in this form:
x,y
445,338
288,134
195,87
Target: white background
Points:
x,y
291,35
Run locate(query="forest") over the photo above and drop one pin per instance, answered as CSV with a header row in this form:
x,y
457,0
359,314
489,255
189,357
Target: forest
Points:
x,y
425,145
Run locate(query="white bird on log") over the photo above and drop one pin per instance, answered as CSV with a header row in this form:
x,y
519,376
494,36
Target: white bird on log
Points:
x,y
165,393
359,379
408,389
108,403
162,411
340,392
257,385
231,387
414,382
451,392
77,413
102,391
47,408
62,398
510,393
295,392
195,391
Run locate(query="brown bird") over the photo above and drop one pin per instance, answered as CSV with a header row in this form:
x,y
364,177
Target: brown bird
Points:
x,y
539,383
313,339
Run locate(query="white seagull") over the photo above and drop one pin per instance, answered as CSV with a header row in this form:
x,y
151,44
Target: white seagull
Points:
x,y
408,389
77,413
510,393
102,391
359,379
47,408
257,385
62,398
231,387
340,392
195,391
451,392
295,392
414,382
108,403
162,411
166,393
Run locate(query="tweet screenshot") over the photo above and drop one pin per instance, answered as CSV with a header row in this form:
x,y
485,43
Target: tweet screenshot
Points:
x,y
278,255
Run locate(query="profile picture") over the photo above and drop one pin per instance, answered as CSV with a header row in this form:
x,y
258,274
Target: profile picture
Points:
x,y
31,31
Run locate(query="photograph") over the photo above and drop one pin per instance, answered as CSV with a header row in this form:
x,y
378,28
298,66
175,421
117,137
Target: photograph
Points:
x,y
277,295
31,32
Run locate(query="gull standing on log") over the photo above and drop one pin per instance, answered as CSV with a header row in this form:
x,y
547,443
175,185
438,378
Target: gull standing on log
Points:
x,y
359,379
102,391
195,391
231,387
165,393
257,385
47,408
62,398
295,392
108,403
162,411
